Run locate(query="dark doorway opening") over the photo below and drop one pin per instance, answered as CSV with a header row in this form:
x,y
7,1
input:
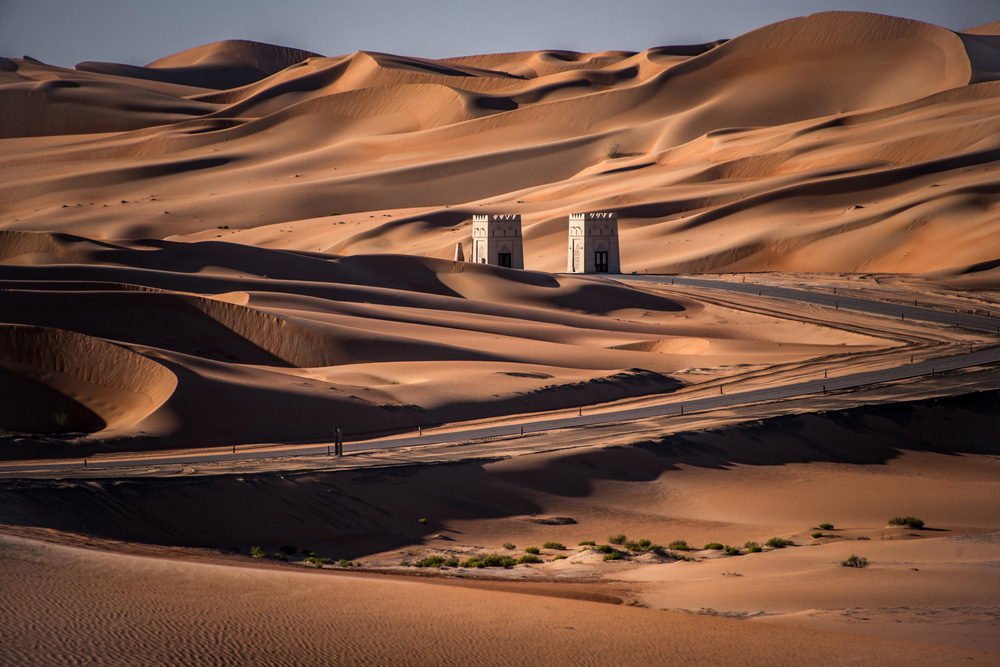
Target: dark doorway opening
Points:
x,y
601,261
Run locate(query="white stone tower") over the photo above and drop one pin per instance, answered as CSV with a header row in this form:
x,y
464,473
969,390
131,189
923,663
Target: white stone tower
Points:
x,y
593,243
496,240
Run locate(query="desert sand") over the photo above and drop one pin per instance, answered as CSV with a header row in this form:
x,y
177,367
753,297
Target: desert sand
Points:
x,y
247,245
131,609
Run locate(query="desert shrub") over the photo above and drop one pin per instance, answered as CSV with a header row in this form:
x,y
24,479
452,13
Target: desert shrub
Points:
x,y
280,556
557,546
732,551
529,558
560,557
656,549
862,537
509,546
614,555
825,526
307,553
604,548
431,561
451,562
908,521
289,549
328,561
638,545
258,552
346,563
61,418
855,561
531,550
422,522
587,543
754,549
496,560
679,545
816,536
616,539
714,546
779,543
674,554
315,562
614,151
471,562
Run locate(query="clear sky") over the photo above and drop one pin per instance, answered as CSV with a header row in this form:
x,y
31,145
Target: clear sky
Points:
x,y
65,32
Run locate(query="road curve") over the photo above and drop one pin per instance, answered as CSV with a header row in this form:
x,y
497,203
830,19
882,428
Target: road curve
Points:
x,y
929,367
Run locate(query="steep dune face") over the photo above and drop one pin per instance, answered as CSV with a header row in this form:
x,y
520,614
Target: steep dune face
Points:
x,y
834,142
55,380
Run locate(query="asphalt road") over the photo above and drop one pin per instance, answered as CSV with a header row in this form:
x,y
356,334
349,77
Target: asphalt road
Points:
x,y
872,307
680,406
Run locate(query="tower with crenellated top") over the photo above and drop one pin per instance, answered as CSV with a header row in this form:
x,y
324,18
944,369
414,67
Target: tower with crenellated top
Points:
x,y
593,243
496,240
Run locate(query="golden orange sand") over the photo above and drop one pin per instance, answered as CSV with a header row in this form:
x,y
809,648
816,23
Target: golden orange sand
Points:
x,y
245,243
65,605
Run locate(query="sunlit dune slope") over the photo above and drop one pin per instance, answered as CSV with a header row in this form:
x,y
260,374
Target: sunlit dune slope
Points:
x,y
834,142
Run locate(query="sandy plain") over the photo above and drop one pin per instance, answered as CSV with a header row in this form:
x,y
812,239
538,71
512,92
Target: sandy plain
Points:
x,y
244,244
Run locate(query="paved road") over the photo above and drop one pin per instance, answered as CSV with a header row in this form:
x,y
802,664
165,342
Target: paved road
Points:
x,y
677,407
894,310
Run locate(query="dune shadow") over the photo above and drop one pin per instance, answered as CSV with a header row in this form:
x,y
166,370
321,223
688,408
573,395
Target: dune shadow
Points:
x,y
351,513
867,435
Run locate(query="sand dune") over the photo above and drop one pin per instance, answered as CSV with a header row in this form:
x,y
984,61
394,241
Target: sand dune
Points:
x,y
838,142
248,244
289,344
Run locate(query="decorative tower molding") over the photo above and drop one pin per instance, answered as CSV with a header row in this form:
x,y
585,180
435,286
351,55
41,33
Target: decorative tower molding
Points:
x,y
593,243
496,240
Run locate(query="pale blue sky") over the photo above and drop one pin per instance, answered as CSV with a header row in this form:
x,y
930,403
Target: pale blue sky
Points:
x,y
65,32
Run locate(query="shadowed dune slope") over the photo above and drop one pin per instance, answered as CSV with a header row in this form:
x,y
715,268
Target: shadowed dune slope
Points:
x,y
839,141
